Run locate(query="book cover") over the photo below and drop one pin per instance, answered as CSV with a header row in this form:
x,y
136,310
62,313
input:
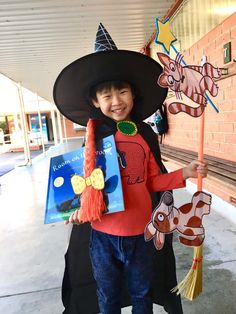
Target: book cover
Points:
x,y
61,199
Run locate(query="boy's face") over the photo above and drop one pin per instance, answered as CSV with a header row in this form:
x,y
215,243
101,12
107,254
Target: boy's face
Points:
x,y
115,103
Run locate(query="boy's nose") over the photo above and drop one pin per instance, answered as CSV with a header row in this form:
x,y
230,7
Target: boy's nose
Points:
x,y
116,100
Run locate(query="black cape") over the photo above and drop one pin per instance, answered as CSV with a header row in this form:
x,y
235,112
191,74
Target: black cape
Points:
x,y
79,287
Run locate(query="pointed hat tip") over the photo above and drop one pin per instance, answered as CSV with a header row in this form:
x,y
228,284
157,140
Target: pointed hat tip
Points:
x,y
103,40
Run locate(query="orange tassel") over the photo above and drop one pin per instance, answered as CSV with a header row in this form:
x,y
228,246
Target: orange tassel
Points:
x,y
92,202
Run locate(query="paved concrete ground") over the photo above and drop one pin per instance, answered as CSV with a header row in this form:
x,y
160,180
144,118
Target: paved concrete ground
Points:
x,y
32,261
10,160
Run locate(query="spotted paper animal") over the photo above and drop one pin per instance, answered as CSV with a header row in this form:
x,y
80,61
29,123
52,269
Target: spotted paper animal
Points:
x,y
192,80
187,220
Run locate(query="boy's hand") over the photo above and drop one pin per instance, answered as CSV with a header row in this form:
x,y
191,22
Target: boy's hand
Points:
x,y
74,218
195,168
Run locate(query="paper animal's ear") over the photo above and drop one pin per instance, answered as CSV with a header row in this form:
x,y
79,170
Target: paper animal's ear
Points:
x,y
162,81
159,240
164,59
149,232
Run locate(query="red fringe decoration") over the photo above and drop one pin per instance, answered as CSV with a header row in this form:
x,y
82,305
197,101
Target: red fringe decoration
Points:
x,y
91,200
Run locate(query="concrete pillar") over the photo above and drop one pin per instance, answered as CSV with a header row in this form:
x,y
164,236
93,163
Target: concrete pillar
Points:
x,y
16,122
59,126
54,126
40,125
28,160
64,128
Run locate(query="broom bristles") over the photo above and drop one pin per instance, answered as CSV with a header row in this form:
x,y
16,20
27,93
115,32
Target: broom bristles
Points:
x,y
191,286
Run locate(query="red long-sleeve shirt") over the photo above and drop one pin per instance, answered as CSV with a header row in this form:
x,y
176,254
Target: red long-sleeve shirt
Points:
x,y
140,175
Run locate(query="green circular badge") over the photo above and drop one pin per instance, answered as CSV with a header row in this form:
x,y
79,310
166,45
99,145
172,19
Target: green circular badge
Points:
x,y
127,127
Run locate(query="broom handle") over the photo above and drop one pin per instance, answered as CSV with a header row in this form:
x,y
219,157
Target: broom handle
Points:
x,y
201,145
198,250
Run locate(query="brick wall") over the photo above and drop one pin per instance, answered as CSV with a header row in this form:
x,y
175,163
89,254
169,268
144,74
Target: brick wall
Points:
x,y
70,131
220,128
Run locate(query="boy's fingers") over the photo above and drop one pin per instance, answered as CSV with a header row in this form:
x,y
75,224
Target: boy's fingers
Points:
x,y
77,216
202,168
71,218
202,172
74,218
201,164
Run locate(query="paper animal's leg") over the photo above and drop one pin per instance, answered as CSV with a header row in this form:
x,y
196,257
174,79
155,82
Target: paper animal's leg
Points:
x,y
192,240
159,240
149,232
200,99
201,202
210,70
207,83
206,199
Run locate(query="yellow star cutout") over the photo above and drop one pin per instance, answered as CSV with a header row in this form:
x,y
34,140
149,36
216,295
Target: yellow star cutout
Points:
x,y
164,35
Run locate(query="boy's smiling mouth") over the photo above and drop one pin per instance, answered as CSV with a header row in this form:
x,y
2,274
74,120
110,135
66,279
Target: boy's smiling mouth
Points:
x,y
118,110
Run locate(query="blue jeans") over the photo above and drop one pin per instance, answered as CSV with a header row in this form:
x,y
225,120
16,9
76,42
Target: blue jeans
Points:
x,y
115,258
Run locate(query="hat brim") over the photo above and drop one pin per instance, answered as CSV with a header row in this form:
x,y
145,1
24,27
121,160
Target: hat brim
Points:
x,y
71,88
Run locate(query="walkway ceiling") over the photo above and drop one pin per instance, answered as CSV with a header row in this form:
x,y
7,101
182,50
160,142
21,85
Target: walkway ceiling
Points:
x,y
40,37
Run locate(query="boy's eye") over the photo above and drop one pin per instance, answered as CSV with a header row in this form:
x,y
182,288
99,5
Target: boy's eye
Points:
x,y
106,96
123,91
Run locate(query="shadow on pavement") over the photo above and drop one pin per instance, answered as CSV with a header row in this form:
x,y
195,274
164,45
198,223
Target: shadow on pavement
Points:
x,y
11,160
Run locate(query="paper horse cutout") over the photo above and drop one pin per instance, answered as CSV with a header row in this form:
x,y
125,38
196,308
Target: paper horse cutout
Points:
x,y
192,80
187,220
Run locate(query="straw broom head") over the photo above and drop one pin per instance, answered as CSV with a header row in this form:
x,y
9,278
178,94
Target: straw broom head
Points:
x,y
191,286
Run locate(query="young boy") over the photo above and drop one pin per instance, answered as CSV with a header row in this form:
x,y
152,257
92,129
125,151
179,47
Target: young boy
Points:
x,y
120,99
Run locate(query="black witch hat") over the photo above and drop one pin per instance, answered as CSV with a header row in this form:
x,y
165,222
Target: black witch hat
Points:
x,y
107,63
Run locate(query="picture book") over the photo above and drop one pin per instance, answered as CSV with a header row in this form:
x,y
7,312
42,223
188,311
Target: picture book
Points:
x,y
61,198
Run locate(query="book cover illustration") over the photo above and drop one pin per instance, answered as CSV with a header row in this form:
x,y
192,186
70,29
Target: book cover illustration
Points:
x,y
61,199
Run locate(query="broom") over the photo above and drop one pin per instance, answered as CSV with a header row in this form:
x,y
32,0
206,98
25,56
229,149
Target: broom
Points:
x,y
191,286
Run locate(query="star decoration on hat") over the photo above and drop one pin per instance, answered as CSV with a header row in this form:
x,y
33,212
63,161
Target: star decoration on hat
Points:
x,y
164,35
